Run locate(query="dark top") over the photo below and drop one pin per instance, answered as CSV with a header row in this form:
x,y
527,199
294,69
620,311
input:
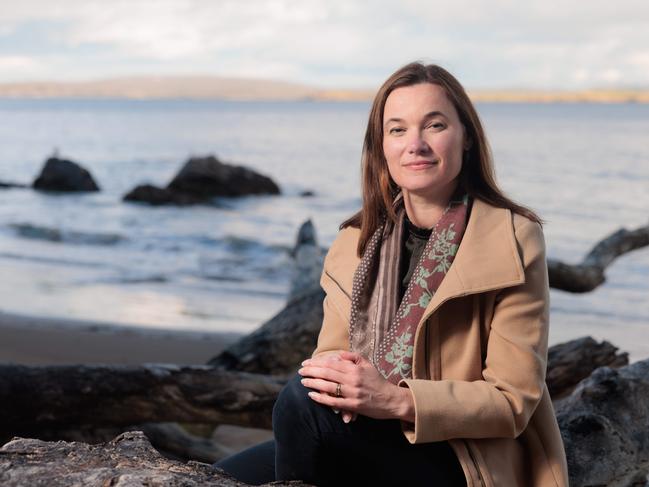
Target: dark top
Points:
x,y
414,241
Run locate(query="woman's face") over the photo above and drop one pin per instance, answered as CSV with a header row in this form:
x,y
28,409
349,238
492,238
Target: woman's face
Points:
x,y
423,141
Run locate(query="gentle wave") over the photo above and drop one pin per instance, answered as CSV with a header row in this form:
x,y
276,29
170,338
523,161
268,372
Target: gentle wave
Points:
x,y
54,260
51,234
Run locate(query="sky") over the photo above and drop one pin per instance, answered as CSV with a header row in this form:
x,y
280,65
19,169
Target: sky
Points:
x,y
496,44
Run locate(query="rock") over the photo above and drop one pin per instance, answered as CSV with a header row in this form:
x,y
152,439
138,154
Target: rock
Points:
x,y
307,193
605,427
207,177
200,180
129,460
147,193
570,362
308,259
63,175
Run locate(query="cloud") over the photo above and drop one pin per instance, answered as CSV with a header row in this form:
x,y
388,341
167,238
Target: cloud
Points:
x,y
18,64
502,43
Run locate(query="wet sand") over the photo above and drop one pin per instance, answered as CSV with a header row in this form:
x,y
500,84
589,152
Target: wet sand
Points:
x,y
48,341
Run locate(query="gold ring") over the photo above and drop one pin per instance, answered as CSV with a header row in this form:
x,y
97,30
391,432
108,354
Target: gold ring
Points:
x,y
338,392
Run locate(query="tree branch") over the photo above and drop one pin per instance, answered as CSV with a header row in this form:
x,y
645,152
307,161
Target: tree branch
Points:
x,y
586,276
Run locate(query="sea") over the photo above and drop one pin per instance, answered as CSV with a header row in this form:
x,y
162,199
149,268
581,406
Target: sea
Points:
x,y
226,266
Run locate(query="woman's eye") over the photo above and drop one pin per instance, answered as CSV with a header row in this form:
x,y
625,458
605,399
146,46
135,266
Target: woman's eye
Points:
x,y
396,130
436,126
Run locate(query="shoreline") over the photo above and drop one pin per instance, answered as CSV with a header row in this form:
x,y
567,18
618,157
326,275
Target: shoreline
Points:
x,y
34,340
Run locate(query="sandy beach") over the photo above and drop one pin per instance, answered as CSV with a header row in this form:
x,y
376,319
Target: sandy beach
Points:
x,y
48,341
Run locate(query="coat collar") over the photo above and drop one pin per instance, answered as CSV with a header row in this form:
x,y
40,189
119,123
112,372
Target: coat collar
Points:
x,y
487,258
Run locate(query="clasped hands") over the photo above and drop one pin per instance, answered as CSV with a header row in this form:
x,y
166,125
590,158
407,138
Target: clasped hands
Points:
x,y
363,390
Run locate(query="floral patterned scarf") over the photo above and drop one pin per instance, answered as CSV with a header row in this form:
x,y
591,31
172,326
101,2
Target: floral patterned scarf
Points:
x,y
380,328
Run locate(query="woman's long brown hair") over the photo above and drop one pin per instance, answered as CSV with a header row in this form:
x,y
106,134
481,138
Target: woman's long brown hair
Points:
x,y
477,176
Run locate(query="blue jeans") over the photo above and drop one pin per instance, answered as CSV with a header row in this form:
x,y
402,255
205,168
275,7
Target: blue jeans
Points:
x,y
314,445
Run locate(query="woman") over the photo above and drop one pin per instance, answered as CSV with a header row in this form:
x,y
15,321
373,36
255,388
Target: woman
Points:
x,y
430,364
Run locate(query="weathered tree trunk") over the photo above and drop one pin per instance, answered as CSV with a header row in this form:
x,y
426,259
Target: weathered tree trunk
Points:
x,y
586,276
41,397
280,344
127,461
605,427
59,397
171,439
604,424
570,362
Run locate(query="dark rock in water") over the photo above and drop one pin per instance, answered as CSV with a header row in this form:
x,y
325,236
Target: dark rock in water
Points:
x,y
208,177
200,180
64,175
7,185
147,193
307,193
129,461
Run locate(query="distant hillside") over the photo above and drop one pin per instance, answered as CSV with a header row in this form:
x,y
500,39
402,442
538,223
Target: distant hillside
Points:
x,y
592,96
201,87
207,87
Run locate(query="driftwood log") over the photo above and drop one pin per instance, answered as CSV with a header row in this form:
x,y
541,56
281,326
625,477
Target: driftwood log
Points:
x,y
586,276
570,362
604,424
41,398
280,344
172,440
127,461
237,389
62,396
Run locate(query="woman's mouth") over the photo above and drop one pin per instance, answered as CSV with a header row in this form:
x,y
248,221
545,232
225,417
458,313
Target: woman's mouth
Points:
x,y
419,165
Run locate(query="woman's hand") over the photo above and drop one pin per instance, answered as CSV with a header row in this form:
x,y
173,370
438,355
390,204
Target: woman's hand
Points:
x,y
327,357
363,390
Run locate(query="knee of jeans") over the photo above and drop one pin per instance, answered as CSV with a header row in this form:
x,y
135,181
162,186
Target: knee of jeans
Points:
x,y
292,405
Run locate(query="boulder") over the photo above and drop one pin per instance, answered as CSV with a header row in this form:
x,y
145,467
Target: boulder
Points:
x,y
207,177
200,180
64,175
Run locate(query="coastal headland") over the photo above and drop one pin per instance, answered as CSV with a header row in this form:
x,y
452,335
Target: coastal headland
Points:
x,y
245,89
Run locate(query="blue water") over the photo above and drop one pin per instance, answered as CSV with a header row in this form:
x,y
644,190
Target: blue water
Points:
x,y
583,167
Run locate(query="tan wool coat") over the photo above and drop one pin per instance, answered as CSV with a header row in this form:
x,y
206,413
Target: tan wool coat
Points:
x,y
480,351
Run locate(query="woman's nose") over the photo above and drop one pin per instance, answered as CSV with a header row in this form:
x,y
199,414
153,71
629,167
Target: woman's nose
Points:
x,y
418,145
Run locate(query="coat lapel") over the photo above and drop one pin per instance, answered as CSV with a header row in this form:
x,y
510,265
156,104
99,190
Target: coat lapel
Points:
x,y
487,259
